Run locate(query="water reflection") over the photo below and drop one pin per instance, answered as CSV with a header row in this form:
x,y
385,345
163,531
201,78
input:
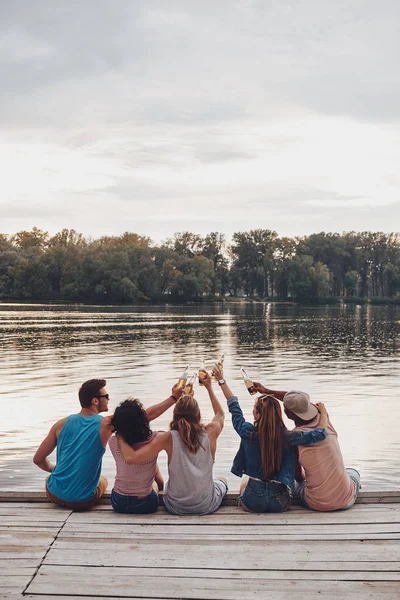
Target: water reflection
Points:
x,y
347,356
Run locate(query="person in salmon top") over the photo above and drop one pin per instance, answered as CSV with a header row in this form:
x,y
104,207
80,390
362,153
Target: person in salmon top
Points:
x,y
75,481
328,485
136,486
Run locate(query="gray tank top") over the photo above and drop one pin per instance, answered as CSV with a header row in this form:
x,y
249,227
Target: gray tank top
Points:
x,y
190,488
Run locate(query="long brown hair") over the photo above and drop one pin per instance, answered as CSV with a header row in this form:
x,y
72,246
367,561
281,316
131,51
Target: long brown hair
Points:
x,y
187,421
269,428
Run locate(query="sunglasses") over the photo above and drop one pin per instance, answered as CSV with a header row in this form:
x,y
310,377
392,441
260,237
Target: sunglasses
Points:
x,y
103,396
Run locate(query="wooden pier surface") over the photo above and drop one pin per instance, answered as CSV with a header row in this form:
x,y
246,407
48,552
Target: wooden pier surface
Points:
x,y
49,552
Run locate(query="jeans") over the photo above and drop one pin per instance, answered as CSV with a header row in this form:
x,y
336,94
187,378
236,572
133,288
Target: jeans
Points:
x,y
266,496
133,504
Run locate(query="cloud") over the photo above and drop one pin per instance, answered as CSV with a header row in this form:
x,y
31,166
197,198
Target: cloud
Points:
x,y
221,114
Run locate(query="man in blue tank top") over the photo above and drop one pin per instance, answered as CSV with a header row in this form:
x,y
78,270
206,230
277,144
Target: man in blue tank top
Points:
x,y
75,480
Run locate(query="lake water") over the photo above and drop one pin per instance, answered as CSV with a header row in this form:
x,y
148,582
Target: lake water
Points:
x,y
345,356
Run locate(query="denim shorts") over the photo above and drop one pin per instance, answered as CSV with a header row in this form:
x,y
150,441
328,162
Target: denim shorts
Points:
x,y
266,496
133,504
352,473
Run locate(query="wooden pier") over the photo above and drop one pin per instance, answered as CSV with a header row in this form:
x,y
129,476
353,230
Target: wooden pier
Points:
x,y
48,552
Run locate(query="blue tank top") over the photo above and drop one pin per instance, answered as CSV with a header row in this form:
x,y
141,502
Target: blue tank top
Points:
x,y
79,455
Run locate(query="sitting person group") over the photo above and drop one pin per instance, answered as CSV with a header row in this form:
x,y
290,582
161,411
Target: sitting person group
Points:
x,y
275,464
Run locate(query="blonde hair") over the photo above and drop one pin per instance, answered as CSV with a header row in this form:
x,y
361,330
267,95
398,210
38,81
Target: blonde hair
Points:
x,y
187,421
269,428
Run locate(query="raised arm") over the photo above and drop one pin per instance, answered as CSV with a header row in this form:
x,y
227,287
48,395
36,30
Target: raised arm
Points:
x,y
47,446
147,452
217,423
239,423
158,409
263,390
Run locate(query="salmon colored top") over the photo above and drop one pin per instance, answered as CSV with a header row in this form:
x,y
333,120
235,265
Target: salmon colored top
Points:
x,y
328,485
133,480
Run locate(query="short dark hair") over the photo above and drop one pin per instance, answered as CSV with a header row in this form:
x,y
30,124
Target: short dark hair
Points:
x,y
89,390
130,420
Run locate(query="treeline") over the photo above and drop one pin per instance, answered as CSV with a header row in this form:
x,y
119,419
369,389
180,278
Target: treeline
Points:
x,y
68,267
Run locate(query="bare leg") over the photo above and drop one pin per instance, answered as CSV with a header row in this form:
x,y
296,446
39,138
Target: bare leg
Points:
x,y
158,479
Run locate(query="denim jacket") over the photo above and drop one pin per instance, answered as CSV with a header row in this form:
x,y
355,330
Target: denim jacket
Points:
x,y
248,458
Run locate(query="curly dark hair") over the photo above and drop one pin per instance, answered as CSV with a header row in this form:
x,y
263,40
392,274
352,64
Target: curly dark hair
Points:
x,y
130,420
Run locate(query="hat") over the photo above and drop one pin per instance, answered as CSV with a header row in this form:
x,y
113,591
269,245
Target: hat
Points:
x,y
299,403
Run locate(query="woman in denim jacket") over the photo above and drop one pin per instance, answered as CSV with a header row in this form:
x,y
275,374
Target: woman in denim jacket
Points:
x,y
267,455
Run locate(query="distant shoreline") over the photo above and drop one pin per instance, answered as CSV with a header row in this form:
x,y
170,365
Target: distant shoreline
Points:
x,y
330,301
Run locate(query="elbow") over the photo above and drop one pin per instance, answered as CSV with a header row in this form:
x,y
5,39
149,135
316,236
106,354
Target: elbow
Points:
x,y
36,460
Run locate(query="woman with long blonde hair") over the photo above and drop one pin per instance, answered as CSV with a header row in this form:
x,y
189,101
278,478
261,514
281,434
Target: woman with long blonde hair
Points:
x,y
191,447
267,456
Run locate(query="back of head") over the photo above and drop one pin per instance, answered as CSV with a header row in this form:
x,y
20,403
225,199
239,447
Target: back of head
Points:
x,y
269,427
130,420
298,403
89,390
187,421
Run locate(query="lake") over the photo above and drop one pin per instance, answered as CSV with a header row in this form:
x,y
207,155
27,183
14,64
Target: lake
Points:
x,y
346,356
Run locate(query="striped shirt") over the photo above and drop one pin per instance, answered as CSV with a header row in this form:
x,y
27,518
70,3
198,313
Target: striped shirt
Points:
x,y
133,480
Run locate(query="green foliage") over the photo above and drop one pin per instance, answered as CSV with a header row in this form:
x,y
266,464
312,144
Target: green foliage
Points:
x,y
322,267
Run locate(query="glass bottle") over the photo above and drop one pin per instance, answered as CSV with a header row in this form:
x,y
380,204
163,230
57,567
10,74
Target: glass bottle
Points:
x,y
183,378
188,389
248,382
220,364
202,370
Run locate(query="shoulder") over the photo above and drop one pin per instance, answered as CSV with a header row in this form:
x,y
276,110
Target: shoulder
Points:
x,y
60,424
106,422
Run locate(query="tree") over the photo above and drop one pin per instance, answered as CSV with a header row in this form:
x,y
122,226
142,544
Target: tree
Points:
x,y
186,244
250,249
308,281
350,282
36,238
214,247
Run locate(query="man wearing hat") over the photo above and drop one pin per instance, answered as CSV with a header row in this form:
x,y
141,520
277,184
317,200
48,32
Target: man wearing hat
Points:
x,y
328,484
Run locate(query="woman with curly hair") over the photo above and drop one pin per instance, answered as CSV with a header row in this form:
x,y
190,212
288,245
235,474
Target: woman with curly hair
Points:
x,y
190,446
136,486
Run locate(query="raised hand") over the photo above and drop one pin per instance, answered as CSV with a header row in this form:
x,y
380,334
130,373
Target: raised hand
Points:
x,y
205,378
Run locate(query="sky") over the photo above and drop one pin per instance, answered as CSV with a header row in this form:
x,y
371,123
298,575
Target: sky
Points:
x,y
158,116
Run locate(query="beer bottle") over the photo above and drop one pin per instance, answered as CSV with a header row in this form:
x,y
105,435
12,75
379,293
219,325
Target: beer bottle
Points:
x,y
188,389
202,370
183,378
220,363
248,382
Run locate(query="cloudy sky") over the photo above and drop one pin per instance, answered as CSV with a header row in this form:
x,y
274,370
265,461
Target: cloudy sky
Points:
x,y
157,116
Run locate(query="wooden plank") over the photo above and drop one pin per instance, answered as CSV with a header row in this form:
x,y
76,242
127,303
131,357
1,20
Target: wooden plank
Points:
x,y
231,497
123,530
203,553
128,584
321,571
40,537
243,537
52,597
40,527
27,563
301,517
52,513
